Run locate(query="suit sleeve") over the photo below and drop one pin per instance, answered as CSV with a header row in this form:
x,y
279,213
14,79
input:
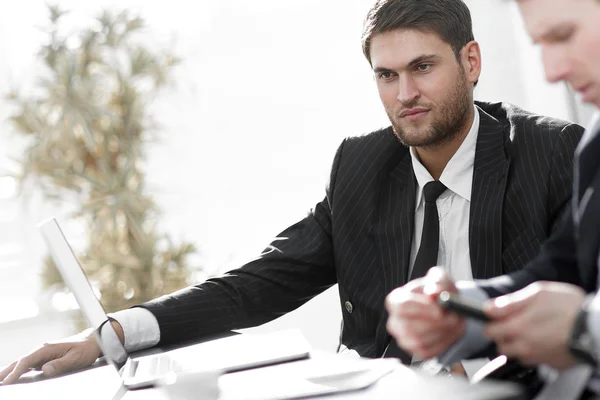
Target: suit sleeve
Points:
x,y
557,258
296,266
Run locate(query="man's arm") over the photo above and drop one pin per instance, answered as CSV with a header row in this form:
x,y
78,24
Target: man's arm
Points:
x,y
277,282
296,266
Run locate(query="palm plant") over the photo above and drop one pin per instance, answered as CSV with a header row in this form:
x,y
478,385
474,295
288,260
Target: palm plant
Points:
x,y
86,125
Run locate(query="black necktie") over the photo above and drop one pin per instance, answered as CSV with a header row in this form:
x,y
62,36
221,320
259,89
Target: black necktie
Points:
x,y
430,239
427,254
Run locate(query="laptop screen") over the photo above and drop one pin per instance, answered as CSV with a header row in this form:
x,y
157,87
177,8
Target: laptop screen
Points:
x,y
77,282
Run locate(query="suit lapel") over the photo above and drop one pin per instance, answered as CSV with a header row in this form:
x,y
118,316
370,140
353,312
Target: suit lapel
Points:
x,y
586,168
490,172
588,235
586,213
394,223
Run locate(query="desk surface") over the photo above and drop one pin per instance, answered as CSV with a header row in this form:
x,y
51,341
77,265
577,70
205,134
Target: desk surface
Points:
x,y
103,382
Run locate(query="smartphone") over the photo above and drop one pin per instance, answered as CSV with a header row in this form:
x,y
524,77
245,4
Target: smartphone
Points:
x,y
463,306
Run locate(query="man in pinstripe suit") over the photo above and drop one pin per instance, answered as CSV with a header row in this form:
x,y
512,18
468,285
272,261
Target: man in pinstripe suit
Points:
x,y
507,173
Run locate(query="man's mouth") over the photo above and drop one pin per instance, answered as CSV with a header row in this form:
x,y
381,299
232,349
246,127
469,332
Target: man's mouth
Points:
x,y
586,92
413,114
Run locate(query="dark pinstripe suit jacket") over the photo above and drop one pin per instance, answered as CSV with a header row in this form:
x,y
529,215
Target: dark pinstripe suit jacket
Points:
x,y
360,235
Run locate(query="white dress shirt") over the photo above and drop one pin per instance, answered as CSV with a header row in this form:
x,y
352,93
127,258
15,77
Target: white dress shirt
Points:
x,y
453,210
453,207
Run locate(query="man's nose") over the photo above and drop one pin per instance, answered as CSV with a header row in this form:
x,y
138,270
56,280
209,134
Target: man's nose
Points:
x,y
407,89
557,65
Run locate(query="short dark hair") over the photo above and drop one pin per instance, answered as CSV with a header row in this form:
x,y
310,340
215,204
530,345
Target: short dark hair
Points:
x,y
449,19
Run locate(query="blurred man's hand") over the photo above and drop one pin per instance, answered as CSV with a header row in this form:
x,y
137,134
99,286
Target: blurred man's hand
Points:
x,y
534,324
416,321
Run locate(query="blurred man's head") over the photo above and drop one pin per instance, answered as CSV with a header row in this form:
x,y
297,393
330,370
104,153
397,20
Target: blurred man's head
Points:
x,y
568,32
425,63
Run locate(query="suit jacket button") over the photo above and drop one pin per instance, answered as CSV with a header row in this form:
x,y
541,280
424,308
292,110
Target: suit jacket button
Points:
x,y
349,307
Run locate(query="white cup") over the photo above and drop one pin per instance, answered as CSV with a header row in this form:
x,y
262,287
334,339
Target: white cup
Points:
x,y
197,385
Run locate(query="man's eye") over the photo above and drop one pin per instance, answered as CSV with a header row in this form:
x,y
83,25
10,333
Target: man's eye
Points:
x,y
561,34
385,75
423,67
564,35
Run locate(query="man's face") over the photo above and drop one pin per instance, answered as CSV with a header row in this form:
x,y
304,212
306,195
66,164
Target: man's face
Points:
x,y
426,92
568,32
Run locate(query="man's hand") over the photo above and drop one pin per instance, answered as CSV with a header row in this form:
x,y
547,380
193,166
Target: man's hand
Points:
x,y
416,321
54,358
534,324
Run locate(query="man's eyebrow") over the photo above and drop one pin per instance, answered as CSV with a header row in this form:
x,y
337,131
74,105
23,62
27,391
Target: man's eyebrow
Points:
x,y
423,58
412,63
381,69
554,32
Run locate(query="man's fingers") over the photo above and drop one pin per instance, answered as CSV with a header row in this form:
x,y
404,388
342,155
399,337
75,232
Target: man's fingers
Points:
x,y
447,332
506,329
415,286
422,309
436,274
58,366
412,305
431,332
437,281
503,306
7,370
425,338
19,369
434,348
431,338
34,359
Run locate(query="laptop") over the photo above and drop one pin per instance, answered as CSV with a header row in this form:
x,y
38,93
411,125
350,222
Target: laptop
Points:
x,y
229,354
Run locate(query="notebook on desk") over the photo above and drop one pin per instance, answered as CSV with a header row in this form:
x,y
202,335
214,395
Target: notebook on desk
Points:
x,y
229,354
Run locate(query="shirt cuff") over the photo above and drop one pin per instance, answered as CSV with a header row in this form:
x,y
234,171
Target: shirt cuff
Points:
x,y
473,338
140,328
593,321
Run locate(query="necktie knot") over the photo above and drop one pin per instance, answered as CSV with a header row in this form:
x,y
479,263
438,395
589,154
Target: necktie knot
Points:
x,y
432,190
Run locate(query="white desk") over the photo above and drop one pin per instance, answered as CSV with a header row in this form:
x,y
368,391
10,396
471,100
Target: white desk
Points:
x,y
103,382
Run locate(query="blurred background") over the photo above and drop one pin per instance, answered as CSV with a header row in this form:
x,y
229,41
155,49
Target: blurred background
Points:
x,y
232,145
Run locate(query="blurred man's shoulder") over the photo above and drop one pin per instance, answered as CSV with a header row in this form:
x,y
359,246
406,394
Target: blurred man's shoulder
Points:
x,y
521,123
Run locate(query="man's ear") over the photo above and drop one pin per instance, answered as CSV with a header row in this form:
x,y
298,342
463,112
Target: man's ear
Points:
x,y
471,61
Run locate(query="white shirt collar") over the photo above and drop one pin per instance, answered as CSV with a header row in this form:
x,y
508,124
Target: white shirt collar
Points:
x,y
458,174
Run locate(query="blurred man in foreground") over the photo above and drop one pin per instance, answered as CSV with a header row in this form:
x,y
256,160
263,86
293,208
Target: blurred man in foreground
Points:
x,y
554,324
